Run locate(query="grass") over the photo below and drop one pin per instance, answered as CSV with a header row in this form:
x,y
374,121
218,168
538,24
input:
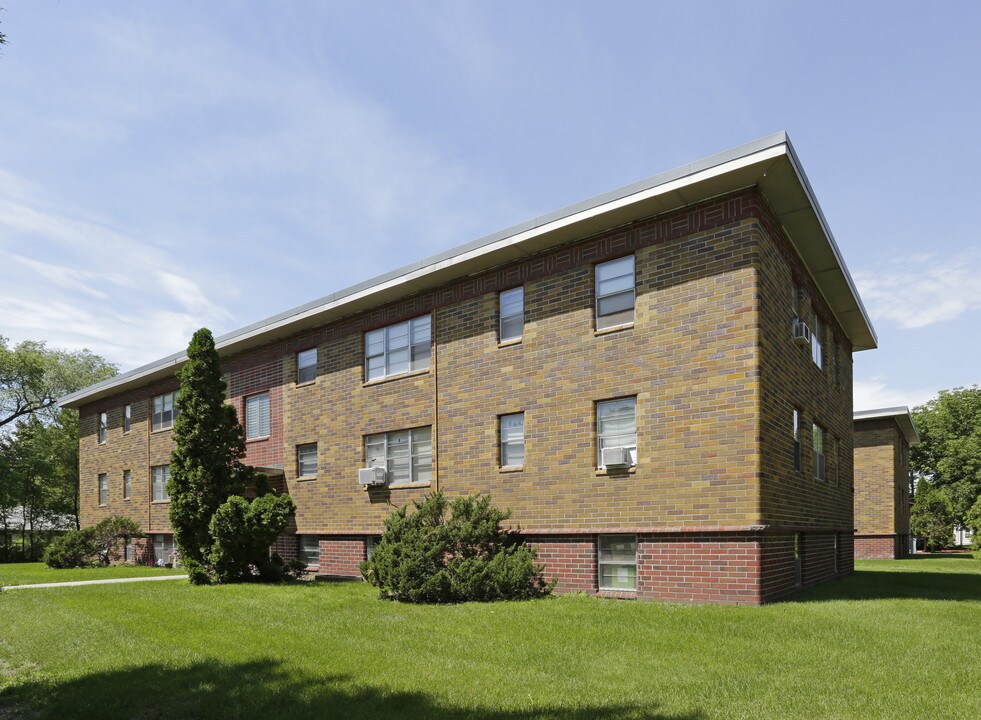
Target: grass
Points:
x,y
887,642
30,573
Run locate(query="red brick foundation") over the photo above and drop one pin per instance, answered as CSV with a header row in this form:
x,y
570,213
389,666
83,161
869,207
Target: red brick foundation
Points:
x,y
341,556
881,547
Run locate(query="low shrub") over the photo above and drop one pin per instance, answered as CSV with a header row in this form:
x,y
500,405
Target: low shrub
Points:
x,y
425,556
76,548
243,530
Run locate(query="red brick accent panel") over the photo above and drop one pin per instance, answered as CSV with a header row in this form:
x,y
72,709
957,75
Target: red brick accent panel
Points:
x,y
287,546
699,568
571,559
817,559
341,556
876,547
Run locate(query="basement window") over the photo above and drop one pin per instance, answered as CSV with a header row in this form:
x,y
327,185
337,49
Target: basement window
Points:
x,y
617,560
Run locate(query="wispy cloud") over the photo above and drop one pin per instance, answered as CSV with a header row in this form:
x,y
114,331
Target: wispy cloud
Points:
x,y
76,282
876,392
920,290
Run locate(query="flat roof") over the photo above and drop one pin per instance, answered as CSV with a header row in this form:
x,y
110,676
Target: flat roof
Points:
x,y
902,416
769,164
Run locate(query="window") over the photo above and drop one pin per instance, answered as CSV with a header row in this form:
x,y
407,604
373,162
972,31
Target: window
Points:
x,y
103,489
512,440
163,411
512,314
817,433
817,346
102,428
127,418
257,416
795,304
370,543
796,439
306,366
407,455
397,348
616,427
617,562
306,460
615,292
127,484
835,374
129,551
310,550
160,475
164,552
836,551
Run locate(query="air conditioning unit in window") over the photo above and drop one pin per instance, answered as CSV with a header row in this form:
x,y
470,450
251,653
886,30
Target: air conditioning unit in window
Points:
x,y
372,476
617,457
802,334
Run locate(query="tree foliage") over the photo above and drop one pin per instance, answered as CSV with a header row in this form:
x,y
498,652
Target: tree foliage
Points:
x,y
931,517
92,545
219,533
949,453
39,442
33,377
425,556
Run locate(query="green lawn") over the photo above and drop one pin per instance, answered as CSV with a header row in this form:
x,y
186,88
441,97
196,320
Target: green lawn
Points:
x,y
893,641
30,573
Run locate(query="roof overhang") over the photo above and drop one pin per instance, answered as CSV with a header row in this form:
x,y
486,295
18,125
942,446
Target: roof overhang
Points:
x,y
770,164
901,415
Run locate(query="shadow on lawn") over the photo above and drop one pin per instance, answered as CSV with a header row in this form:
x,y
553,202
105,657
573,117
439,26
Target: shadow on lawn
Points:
x,y
962,583
260,689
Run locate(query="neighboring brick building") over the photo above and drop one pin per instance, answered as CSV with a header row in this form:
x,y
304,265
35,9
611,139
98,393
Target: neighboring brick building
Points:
x,y
622,374
882,482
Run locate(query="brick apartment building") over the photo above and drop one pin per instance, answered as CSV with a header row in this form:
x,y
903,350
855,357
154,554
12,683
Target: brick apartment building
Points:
x,y
882,482
657,382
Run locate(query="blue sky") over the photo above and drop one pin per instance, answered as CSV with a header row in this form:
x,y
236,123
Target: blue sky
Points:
x,y
165,166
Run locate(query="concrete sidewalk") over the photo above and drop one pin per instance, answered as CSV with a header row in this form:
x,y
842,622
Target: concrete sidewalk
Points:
x,y
76,583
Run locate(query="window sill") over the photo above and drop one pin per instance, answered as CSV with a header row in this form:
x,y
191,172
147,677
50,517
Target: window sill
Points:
x,y
408,486
160,502
390,378
510,343
264,438
617,594
603,472
511,469
308,383
613,329
306,478
161,430
127,499
103,505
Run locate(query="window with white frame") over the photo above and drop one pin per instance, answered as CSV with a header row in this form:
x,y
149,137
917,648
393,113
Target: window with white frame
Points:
x,y
129,551
306,366
617,561
160,474
306,460
512,308
817,344
616,427
512,429
370,543
398,348
257,416
796,439
817,433
103,489
310,550
164,552
103,424
615,289
795,295
127,418
127,484
407,455
164,411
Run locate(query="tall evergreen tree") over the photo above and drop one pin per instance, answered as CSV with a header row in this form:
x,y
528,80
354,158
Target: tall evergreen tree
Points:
x,y
206,465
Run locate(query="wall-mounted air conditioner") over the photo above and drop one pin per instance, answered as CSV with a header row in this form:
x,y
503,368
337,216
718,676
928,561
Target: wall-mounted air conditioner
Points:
x,y
372,476
802,334
617,457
